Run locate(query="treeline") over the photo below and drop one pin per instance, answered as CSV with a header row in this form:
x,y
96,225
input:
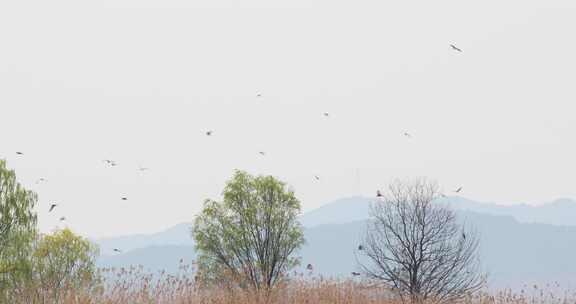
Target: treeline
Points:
x,y
247,244
35,266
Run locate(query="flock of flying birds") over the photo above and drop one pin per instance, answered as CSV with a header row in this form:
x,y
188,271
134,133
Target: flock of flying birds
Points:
x,y
309,267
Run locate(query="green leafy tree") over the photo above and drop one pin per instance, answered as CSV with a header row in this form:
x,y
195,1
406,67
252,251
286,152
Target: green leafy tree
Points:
x,y
250,238
16,204
17,231
63,261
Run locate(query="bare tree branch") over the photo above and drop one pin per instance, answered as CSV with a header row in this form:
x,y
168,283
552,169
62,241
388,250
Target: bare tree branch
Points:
x,y
416,246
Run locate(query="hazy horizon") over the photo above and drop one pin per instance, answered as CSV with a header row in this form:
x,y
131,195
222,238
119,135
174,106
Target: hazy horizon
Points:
x,y
140,82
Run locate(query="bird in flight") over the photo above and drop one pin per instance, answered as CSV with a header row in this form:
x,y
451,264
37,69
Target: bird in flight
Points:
x,y
456,48
355,273
124,198
463,235
110,162
360,247
258,94
262,153
40,180
62,218
117,250
209,132
326,114
378,193
52,206
19,153
407,135
317,177
458,190
310,267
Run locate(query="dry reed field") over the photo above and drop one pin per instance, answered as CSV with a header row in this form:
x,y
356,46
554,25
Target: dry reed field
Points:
x,y
133,285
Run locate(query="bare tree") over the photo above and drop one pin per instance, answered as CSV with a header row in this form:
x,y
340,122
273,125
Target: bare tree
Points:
x,y
418,248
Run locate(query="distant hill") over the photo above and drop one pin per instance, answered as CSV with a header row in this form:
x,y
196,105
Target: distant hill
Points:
x,y
177,235
514,252
511,251
558,212
341,211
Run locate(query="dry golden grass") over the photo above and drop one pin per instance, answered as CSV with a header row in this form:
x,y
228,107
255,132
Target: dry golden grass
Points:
x,y
135,286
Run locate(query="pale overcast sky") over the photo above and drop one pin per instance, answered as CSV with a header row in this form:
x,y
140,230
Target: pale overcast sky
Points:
x,y
140,82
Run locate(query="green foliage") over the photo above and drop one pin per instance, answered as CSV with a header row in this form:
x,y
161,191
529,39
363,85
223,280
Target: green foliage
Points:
x,y
249,238
16,204
35,267
64,259
59,264
17,231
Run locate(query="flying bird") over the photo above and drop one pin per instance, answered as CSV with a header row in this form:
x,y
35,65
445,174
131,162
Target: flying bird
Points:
x,y
209,132
456,48
407,135
62,218
326,114
259,95
110,162
458,190
52,206
124,198
317,177
19,153
355,273
262,153
117,250
360,247
310,267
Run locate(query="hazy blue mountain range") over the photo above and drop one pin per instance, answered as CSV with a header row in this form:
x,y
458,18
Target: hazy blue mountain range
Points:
x,y
558,212
513,248
340,211
178,235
